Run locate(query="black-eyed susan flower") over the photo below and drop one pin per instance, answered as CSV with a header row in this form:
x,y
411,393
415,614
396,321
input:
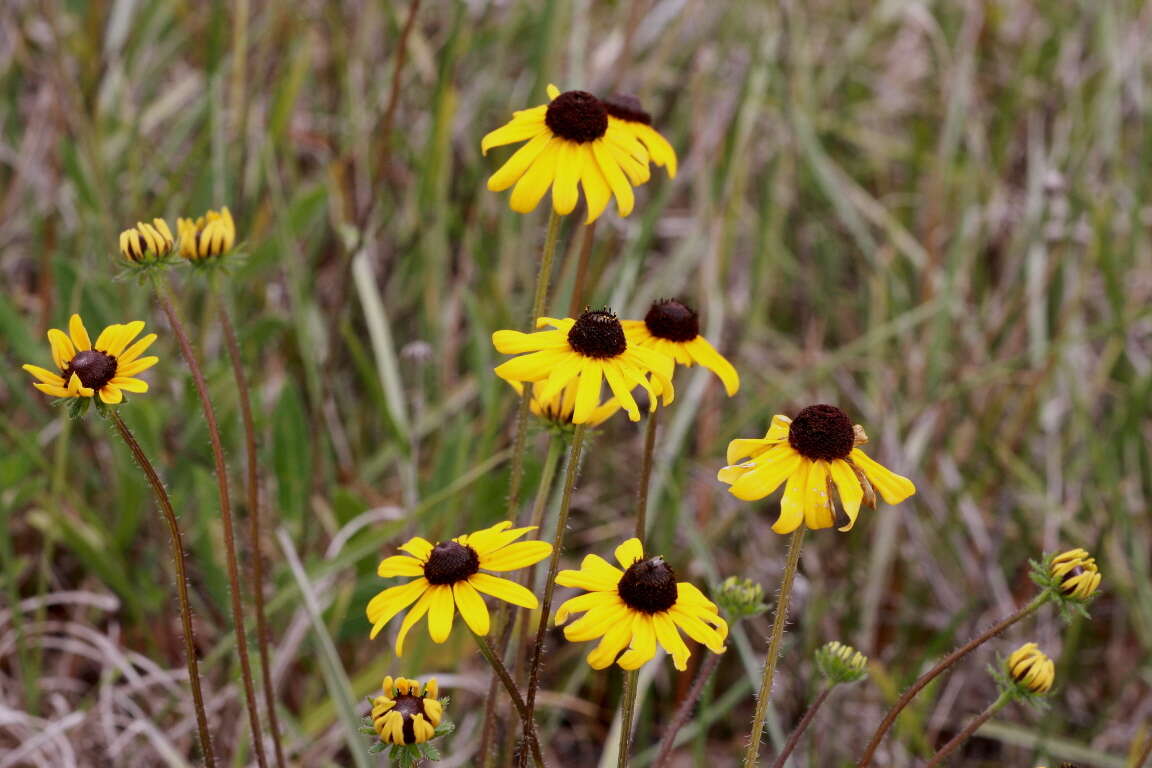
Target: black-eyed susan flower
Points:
x,y
405,714
1076,574
841,663
673,329
147,242
1031,669
106,367
633,609
572,145
627,111
450,579
212,234
558,411
585,352
817,454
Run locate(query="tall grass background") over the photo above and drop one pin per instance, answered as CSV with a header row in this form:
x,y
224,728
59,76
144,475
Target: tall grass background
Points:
x,y
935,214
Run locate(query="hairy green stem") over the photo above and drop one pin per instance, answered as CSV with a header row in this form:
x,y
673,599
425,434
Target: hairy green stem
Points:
x,y
645,476
627,714
969,729
938,669
514,693
162,291
752,752
178,560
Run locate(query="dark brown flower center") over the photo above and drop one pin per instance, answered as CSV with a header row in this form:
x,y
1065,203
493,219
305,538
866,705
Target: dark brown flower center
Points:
x,y
577,116
669,319
450,562
409,706
625,106
93,367
822,432
1064,585
598,333
648,586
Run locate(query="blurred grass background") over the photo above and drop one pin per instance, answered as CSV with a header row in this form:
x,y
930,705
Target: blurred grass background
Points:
x,y
935,214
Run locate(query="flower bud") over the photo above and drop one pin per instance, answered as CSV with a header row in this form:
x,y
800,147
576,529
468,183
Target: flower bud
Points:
x,y
1076,573
1031,669
841,663
740,597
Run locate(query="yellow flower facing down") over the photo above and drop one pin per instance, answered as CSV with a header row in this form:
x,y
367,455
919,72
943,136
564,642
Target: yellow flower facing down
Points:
x,y
212,234
585,352
632,610
147,242
817,455
404,715
673,329
1076,573
1030,668
450,578
106,367
572,145
559,410
627,112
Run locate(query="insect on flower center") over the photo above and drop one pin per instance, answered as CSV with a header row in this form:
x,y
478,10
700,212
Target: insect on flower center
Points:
x,y
648,586
577,116
669,319
409,706
450,562
822,432
627,107
598,333
93,367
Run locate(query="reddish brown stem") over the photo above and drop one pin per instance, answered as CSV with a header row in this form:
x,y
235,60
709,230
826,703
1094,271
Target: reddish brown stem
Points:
x,y
684,711
802,726
225,516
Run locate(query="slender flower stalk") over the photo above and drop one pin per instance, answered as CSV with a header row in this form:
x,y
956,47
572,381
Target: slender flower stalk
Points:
x,y
181,581
780,618
576,302
684,711
964,735
254,535
802,726
942,665
1142,758
162,296
574,453
627,714
645,476
514,693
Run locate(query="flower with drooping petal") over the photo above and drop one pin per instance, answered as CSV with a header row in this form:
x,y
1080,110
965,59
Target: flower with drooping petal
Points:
x,y
404,715
572,145
450,578
212,234
630,115
1076,573
633,609
107,367
673,329
817,454
147,242
585,352
1031,669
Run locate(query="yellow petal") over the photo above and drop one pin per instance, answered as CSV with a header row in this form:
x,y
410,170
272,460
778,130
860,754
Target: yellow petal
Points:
x,y
106,336
417,547
503,589
414,615
851,494
569,166
518,555
629,553
611,644
771,469
704,353
509,133
129,355
620,389
63,350
441,613
670,639
53,390
533,366
472,607
615,177
385,605
893,487
127,332
136,366
45,375
588,391
817,502
792,503
129,384
597,193
515,167
79,333
532,186
111,394
595,573
399,565
643,645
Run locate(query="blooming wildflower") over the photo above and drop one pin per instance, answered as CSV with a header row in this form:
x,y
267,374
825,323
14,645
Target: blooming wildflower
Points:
x,y
450,579
558,411
571,142
147,242
841,663
627,111
212,234
674,329
631,610
1031,669
404,715
107,366
814,453
583,352
1076,573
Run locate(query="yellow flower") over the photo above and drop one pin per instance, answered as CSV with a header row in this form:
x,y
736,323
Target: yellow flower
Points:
x,y
147,242
1031,669
674,329
626,111
213,234
106,366
1076,573
583,352
402,715
815,453
571,143
631,610
450,579
559,409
